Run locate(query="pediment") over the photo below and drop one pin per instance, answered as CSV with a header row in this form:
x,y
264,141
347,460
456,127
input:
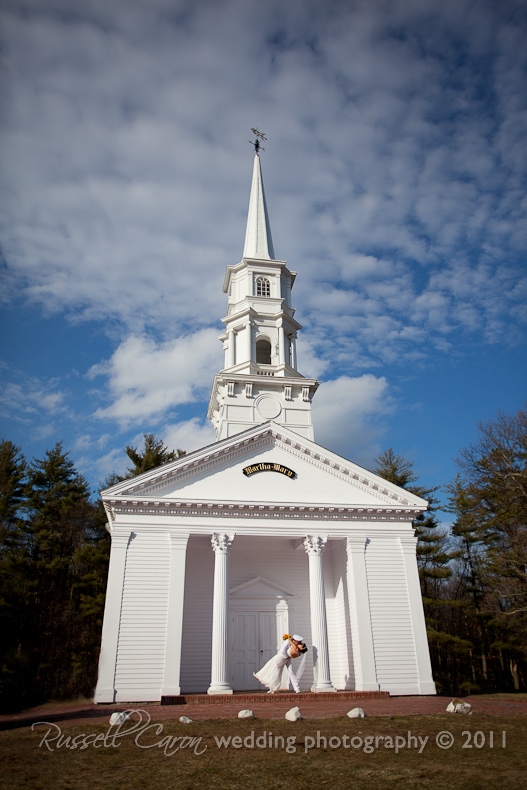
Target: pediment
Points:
x,y
215,474
259,588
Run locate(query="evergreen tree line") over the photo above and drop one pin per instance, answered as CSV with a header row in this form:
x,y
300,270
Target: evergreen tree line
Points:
x,y
54,553
474,574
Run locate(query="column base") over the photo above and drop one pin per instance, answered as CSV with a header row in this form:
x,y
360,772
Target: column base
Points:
x,y
220,689
321,688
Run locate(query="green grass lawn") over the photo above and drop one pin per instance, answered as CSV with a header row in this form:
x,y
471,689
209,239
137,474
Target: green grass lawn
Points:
x,y
402,752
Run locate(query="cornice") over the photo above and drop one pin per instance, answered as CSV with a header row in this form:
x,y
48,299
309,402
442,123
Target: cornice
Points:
x,y
149,506
244,308
242,313
256,263
277,381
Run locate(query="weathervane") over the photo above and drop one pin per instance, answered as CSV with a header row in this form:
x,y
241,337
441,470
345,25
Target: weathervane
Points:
x,y
257,143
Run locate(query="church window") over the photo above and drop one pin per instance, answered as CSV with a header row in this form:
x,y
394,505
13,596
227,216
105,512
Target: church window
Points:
x,y
263,286
263,351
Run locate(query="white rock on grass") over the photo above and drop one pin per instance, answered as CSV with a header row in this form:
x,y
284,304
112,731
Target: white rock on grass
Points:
x,y
293,714
246,714
458,706
119,717
185,720
356,713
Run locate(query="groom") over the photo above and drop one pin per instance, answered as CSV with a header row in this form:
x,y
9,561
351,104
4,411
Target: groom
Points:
x,y
297,640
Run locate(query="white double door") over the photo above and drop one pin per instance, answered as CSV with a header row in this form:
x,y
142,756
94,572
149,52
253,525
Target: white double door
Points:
x,y
254,637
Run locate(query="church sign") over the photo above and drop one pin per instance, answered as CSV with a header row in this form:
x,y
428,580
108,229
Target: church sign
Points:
x,y
268,467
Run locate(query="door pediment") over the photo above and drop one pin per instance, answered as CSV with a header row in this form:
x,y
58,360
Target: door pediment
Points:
x,y
259,588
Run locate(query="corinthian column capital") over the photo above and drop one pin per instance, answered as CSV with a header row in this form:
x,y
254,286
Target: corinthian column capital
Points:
x,y
314,544
221,542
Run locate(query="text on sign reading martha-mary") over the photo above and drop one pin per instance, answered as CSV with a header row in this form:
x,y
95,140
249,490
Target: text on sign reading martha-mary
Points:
x,y
268,467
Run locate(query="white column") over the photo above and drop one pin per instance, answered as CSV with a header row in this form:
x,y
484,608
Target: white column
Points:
x,y
219,683
293,351
415,599
249,343
359,608
105,691
281,343
178,555
231,357
314,546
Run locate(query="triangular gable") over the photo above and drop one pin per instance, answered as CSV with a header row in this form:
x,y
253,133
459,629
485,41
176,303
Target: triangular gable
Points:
x,y
216,473
258,588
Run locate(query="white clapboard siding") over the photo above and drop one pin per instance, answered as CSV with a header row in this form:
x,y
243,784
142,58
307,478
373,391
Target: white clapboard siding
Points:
x,y
392,631
196,647
283,563
339,626
142,631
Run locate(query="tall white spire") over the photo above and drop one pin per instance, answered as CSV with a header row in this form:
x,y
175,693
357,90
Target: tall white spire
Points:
x,y
260,380
258,240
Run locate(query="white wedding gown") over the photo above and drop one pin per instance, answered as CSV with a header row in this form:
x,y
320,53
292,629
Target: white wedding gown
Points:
x,y
270,674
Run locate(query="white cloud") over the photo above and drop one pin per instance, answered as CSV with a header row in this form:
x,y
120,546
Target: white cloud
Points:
x,y
32,397
189,435
348,415
146,378
394,169
99,467
310,363
87,441
127,202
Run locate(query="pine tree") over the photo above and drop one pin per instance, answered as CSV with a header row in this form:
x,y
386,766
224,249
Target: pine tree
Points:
x,y
12,577
155,453
60,522
491,518
12,477
468,588
91,560
395,469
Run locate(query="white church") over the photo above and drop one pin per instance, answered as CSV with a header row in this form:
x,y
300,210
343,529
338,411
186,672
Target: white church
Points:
x,y
218,554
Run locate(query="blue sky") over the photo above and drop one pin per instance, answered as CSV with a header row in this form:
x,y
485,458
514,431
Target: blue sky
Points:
x,y
395,175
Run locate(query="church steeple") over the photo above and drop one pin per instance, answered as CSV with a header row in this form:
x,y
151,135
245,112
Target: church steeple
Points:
x,y
258,240
260,381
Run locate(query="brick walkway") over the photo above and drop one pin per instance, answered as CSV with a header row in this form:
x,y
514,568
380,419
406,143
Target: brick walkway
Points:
x,y
313,706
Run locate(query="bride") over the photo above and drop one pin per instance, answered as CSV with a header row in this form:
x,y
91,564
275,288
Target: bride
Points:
x,y
270,674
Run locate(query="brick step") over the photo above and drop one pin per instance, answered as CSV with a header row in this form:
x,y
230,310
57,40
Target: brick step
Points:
x,y
241,697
